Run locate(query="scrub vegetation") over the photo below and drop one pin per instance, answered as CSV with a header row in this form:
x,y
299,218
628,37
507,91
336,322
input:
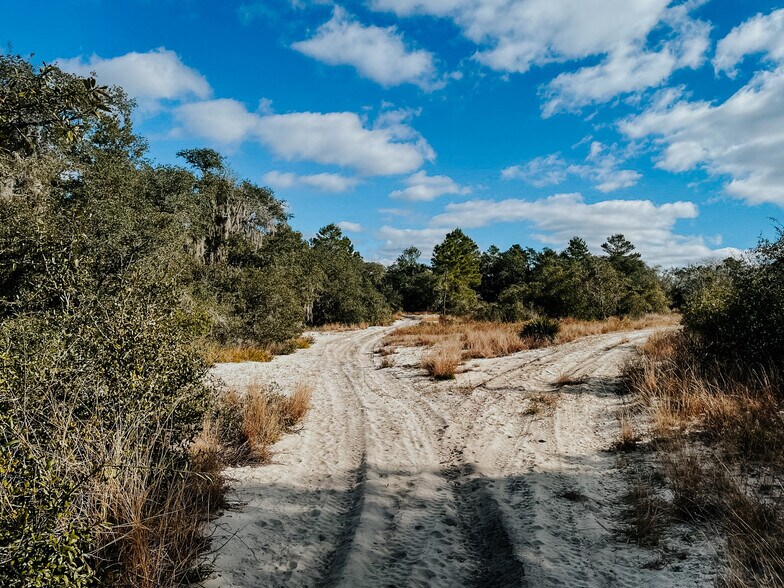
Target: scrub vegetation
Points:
x,y
714,400
123,280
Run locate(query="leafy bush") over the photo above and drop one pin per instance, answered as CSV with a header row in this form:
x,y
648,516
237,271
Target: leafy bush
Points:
x,y
737,314
540,330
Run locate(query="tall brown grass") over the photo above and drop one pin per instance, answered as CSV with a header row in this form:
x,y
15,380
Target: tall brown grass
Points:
x,y
245,426
486,339
217,353
443,360
720,439
572,329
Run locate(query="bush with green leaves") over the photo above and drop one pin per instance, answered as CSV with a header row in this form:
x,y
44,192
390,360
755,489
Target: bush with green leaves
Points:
x,y
736,314
540,330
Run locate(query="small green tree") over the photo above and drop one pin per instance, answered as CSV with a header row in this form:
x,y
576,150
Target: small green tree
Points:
x,y
409,284
457,266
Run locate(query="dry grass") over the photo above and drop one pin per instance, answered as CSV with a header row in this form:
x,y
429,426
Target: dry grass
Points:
x,y
216,353
387,362
646,514
485,339
341,327
245,426
572,329
442,361
683,397
628,437
158,513
720,437
544,403
569,380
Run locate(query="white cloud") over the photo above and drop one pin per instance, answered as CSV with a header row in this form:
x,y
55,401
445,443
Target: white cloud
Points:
x,y
395,240
760,34
601,166
324,182
351,227
742,138
514,35
549,170
422,187
377,53
223,120
337,138
151,76
627,69
558,218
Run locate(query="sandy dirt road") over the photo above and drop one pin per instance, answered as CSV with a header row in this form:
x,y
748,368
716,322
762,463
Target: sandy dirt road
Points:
x,y
396,480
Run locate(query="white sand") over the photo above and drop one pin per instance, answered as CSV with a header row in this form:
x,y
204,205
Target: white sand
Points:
x,y
396,480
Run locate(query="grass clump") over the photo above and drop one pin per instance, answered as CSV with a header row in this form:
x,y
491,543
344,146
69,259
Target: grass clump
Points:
x,y
719,431
242,427
542,403
442,362
540,331
646,514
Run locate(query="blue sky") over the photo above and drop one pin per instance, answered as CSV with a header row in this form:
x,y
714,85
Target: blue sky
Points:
x,y
522,121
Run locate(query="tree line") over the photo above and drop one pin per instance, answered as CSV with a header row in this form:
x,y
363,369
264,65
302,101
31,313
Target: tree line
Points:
x,y
519,283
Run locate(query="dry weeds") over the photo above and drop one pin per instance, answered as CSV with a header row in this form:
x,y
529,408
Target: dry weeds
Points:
x,y
544,403
720,437
442,361
646,513
572,329
628,438
245,426
216,353
485,339
569,380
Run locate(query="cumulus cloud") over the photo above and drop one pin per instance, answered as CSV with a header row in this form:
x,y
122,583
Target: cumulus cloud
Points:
x,y
337,138
628,68
422,187
340,138
377,53
152,76
760,34
394,240
514,35
325,182
223,120
601,166
741,138
549,170
351,227
558,218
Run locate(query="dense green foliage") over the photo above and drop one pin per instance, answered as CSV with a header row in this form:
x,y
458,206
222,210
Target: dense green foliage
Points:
x,y
735,309
351,288
112,270
456,265
518,284
410,284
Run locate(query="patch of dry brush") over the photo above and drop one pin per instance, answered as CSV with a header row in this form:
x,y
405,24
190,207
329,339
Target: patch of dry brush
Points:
x,y
251,352
455,340
244,426
720,441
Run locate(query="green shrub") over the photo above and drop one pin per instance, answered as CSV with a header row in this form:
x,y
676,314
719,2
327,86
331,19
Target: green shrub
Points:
x,y
42,541
737,314
541,330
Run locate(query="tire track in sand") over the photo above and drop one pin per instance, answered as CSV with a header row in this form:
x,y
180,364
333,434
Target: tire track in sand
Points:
x,y
399,481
